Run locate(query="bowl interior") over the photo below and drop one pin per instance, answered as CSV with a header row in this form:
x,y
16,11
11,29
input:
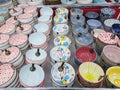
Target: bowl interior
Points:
x,y
113,75
91,72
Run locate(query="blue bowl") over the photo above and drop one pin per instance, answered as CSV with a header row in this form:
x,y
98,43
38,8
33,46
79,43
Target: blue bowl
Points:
x,y
116,29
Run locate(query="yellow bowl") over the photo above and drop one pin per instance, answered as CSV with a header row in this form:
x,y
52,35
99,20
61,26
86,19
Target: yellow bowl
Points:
x,y
113,75
91,73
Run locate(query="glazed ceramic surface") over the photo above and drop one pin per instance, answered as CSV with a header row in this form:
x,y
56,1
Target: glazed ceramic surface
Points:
x,y
61,11
92,15
46,11
84,2
68,1
116,29
76,11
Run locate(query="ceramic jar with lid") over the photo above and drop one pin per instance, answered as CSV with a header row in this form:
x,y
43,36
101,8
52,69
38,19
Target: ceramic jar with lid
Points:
x,y
2,20
90,75
84,1
104,39
7,29
42,28
110,56
92,15
60,54
36,56
13,56
16,11
76,11
46,11
19,40
63,75
4,12
68,2
77,28
12,20
4,41
83,40
109,22
85,54
38,40
62,41
60,30
32,75
8,76
25,29
62,11
116,29
35,2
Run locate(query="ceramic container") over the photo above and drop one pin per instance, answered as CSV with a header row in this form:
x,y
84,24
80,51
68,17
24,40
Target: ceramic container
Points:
x,y
99,1
4,12
6,4
116,29
68,2
2,20
62,11
109,22
36,56
25,29
83,40
19,40
8,75
84,2
107,13
85,54
93,24
63,75
38,40
16,11
113,77
60,19
60,54
4,41
7,29
31,75
46,11
22,1
77,28
76,11
92,15
12,20
13,56
78,19
90,75
110,56
104,39
62,41
35,2
60,29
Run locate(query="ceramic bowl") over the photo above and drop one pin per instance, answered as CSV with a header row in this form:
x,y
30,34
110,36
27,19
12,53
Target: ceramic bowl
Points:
x,y
113,77
62,11
116,29
76,11
68,2
92,15
91,75
46,11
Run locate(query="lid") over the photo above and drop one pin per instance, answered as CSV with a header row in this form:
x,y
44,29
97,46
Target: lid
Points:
x,y
30,9
112,53
94,23
36,54
68,1
59,19
6,73
4,38
110,22
41,27
77,28
108,11
86,39
62,41
116,28
86,54
44,18
61,28
76,11
46,11
23,27
25,16
15,10
63,73
12,20
3,10
96,32
60,54
61,11
37,38
18,39
108,38
92,15
78,19
31,75
7,28
9,54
